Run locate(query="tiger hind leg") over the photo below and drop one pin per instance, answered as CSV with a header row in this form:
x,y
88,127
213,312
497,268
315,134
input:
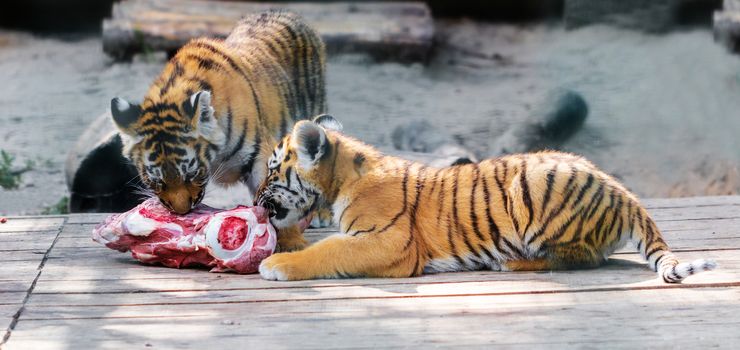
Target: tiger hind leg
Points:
x,y
560,257
527,265
574,256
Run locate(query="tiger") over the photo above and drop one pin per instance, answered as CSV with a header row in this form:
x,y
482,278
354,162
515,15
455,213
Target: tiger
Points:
x,y
219,107
525,212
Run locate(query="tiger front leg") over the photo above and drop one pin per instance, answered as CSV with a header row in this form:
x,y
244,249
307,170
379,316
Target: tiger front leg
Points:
x,y
341,255
290,239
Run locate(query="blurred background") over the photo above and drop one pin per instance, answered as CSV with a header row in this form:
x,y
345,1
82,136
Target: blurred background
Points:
x,y
649,90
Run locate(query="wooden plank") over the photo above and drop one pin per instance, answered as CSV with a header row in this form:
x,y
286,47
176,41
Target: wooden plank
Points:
x,y
399,30
94,219
24,245
19,270
695,213
21,255
12,299
187,286
22,224
568,319
683,202
21,252
90,297
12,286
7,311
13,295
708,225
38,241
98,263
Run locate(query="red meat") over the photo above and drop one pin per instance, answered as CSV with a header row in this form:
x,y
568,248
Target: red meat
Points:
x,y
226,240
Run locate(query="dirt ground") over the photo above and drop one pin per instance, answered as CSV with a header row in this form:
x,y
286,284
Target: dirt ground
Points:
x,y
664,109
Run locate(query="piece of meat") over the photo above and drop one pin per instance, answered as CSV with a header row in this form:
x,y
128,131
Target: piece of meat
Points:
x,y
226,240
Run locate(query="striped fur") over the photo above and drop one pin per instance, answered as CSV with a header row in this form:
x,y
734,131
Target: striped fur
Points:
x,y
220,106
539,211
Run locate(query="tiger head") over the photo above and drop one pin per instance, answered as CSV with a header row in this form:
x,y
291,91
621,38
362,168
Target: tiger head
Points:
x,y
171,145
301,172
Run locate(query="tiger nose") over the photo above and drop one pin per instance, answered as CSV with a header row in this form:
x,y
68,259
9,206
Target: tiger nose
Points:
x,y
178,200
181,207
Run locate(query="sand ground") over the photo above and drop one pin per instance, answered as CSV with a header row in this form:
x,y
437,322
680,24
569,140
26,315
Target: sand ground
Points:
x,y
664,109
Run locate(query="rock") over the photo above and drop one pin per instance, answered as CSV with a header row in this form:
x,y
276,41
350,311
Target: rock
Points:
x,y
558,117
430,159
420,137
564,113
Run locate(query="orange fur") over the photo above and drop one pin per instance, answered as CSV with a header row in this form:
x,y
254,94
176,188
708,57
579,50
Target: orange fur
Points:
x,y
220,106
248,91
538,211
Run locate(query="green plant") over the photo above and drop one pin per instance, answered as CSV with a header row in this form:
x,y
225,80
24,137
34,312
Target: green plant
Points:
x,y
146,49
61,207
9,179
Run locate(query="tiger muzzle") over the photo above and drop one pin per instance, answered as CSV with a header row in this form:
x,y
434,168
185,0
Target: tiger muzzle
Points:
x,y
274,207
178,200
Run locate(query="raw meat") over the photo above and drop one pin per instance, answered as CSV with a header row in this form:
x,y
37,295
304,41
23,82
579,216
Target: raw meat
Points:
x,y
226,240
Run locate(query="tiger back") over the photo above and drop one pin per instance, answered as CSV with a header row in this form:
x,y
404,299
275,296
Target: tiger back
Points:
x,y
538,211
219,106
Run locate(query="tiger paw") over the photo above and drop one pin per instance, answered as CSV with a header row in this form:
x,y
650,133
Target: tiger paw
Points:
x,y
322,218
281,267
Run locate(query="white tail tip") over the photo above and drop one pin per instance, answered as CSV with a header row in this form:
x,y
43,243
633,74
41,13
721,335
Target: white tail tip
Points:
x,y
678,272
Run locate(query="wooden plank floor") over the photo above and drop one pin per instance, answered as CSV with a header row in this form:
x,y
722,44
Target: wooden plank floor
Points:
x,y
60,290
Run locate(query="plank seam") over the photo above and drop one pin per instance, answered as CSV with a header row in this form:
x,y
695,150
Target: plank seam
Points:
x,y
40,269
696,219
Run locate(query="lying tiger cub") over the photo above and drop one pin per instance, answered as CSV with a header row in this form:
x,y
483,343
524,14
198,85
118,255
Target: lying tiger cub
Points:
x,y
539,211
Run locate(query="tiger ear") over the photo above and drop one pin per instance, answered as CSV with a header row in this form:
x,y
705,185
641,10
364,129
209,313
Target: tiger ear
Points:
x,y
198,107
125,114
328,122
310,140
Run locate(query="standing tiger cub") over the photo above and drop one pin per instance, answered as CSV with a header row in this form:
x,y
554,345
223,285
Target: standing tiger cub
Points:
x,y
540,211
220,106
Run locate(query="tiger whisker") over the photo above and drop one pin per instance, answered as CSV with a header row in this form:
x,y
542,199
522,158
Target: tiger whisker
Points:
x,y
216,174
144,192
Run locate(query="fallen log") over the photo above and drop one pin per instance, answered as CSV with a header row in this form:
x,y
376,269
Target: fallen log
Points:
x,y
398,31
650,15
